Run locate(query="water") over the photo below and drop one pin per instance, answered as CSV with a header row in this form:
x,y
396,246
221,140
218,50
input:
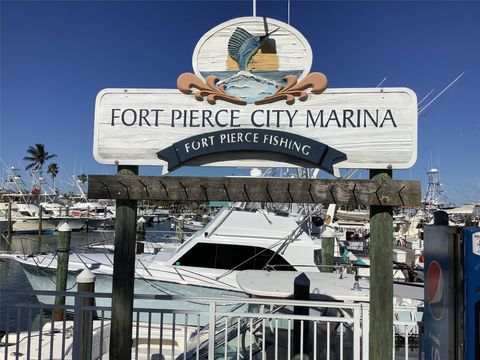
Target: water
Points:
x,y
12,276
249,87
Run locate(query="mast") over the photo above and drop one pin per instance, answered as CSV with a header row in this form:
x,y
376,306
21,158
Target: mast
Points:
x,y
435,197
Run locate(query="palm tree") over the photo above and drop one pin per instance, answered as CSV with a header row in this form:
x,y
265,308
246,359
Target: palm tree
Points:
x,y
38,157
53,171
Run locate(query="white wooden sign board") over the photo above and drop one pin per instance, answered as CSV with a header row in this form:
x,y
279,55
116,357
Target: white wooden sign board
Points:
x,y
375,127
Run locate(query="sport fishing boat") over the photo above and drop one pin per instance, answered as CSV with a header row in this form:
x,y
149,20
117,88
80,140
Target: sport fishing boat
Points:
x,y
76,223
27,220
206,264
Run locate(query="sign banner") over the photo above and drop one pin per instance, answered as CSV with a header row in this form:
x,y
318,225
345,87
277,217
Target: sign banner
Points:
x,y
228,141
370,128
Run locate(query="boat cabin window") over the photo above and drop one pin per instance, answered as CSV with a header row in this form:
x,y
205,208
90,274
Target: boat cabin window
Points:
x,y
224,256
25,213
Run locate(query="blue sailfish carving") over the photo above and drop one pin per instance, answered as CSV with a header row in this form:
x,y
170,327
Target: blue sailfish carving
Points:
x,y
242,46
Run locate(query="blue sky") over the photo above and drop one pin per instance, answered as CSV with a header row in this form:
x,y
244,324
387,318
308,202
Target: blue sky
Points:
x,y
56,56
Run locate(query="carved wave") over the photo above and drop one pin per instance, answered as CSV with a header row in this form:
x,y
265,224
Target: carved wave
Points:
x,y
293,89
188,81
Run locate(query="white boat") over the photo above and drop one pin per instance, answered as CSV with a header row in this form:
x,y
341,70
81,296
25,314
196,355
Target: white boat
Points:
x,y
209,263
26,217
96,215
62,212
59,344
204,265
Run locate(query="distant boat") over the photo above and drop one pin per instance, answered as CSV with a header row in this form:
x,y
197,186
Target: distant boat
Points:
x,y
27,220
62,212
96,214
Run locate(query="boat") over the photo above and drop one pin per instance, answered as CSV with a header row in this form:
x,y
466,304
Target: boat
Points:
x,y
209,263
26,218
59,343
96,215
204,265
62,212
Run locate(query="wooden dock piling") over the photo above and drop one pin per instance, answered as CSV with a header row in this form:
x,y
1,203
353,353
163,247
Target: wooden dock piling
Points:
x,y
328,249
301,291
83,344
40,228
63,254
141,235
10,225
180,228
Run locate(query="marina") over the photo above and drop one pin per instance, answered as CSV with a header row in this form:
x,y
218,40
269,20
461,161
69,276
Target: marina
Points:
x,y
147,335
345,283
144,332
208,181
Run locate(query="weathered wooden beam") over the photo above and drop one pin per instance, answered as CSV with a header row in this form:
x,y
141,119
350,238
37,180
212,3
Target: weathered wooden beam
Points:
x,y
281,190
381,270
123,274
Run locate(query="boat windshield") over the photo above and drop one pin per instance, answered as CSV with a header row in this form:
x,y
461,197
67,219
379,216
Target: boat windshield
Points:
x,y
200,232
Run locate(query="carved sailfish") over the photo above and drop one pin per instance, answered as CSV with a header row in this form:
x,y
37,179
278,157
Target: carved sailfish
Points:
x,y
242,46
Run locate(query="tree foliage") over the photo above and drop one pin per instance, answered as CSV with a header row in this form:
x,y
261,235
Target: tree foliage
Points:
x,y
38,157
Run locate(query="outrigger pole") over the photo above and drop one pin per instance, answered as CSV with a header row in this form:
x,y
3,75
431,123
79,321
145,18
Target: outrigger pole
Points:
x,y
441,92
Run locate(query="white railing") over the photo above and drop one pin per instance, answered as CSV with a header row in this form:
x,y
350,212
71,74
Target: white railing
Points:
x,y
224,328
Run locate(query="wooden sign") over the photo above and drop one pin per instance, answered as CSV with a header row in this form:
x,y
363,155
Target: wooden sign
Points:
x,y
374,128
252,101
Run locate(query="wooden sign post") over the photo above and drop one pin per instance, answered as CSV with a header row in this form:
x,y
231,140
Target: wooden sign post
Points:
x,y
269,112
381,193
381,270
123,273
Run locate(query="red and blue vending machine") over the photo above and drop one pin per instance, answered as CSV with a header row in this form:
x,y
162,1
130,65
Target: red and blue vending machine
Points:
x,y
452,291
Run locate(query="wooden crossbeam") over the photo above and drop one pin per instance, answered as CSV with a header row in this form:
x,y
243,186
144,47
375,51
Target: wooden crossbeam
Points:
x,y
251,189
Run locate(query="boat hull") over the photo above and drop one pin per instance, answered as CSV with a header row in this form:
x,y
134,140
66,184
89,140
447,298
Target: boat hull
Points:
x,y
30,226
45,278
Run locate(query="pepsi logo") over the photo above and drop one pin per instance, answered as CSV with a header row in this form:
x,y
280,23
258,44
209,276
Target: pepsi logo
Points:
x,y
435,290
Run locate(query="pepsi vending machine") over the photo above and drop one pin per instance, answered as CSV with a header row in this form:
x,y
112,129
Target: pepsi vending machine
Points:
x,y
472,293
452,291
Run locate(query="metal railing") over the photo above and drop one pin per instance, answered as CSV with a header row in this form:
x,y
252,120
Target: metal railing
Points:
x,y
223,328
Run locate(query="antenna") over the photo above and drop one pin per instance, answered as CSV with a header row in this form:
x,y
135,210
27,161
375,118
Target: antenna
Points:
x,y
425,97
254,8
381,82
288,12
441,92
438,156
